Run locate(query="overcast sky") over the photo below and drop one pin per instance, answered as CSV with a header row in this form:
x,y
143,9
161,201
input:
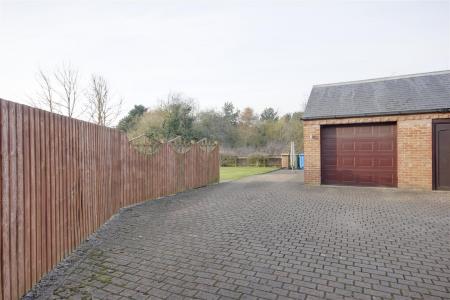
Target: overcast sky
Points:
x,y
253,53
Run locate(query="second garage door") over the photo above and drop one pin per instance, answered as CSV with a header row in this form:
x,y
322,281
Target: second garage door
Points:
x,y
363,155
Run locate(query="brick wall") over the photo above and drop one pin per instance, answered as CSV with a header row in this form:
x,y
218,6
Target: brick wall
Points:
x,y
414,152
414,146
311,146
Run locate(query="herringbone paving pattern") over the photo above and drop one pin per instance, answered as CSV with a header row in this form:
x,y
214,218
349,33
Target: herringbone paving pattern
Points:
x,y
266,237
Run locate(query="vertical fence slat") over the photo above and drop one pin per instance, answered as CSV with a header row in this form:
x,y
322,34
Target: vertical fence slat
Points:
x,y
61,201
69,184
63,194
27,197
52,190
32,183
39,194
1,209
76,165
55,159
21,273
84,188
47,241
13,197
6,275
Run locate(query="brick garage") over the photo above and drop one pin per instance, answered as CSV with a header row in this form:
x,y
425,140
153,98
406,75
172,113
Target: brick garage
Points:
x,y
416,107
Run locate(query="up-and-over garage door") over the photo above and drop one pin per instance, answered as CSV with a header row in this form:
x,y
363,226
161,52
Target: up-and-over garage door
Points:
x,y
363,155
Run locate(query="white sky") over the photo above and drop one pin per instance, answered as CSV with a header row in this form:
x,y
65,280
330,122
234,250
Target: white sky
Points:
x,y
253,53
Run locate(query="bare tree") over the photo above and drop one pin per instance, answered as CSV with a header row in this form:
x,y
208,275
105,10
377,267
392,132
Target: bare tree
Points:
x,y
68,89
58,91
45,97
102,109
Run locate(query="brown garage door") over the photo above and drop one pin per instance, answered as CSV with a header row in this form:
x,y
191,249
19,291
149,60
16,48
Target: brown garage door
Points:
x,y
363,155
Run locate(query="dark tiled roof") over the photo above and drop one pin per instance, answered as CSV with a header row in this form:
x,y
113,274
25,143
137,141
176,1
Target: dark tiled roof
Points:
x,y
418,93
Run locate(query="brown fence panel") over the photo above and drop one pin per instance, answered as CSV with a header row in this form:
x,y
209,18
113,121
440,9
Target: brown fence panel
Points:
x,y
62,178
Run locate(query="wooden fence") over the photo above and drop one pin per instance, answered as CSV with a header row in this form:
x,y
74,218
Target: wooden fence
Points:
x,y
62,178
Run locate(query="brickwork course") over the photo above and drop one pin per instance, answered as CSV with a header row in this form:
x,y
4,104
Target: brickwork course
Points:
x,y
266,237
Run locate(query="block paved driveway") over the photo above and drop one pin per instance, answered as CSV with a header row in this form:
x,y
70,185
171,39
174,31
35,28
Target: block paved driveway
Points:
x,y
266,237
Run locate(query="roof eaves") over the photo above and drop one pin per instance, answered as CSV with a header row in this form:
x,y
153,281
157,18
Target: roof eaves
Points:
x,y
391,113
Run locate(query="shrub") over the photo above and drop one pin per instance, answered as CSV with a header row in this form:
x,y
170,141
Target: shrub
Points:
x,y
228,160
257,160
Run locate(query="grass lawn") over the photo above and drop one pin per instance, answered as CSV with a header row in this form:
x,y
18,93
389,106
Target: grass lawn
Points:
x,y
233,173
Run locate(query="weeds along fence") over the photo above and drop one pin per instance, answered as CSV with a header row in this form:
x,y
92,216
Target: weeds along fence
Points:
x,y
62,178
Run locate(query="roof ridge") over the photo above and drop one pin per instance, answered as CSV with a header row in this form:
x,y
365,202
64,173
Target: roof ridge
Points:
x,y
383,78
